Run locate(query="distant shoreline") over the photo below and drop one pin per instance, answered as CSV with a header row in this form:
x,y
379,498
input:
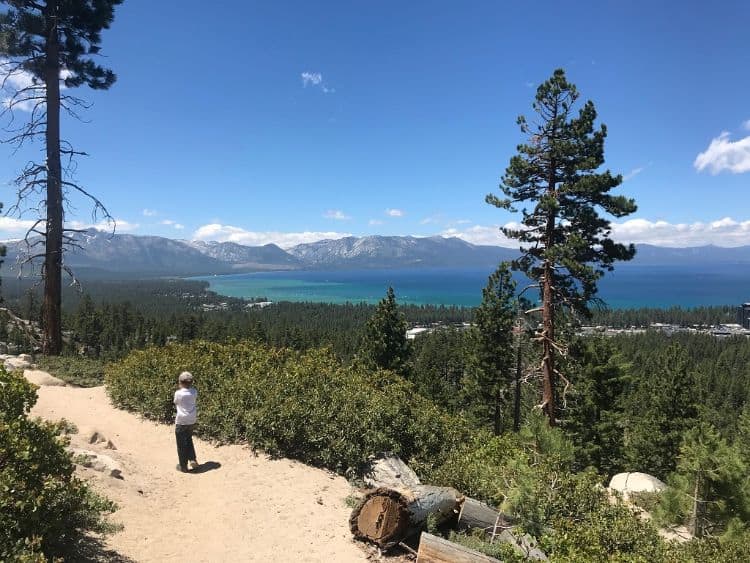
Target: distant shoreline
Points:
x,y
629,287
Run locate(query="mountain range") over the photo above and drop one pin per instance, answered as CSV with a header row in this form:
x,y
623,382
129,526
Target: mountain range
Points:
x,y
102,254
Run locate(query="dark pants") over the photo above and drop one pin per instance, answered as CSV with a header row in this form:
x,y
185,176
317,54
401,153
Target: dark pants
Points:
x,y
185,448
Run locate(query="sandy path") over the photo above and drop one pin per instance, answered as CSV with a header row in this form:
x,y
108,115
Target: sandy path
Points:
x,y
248,509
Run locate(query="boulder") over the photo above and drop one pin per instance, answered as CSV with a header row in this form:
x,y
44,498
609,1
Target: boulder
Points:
x,y
17,362
628,483
42,378
97,462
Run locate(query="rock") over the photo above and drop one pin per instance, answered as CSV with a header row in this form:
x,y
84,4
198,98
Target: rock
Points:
x,y
97,462
42,378
679,534
17,362
94,436
25,358
627,483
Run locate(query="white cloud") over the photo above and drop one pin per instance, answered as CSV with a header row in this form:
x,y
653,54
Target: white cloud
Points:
x,y
375,222
746,125
436,218
172,223
725,155
12,228
16,80
632,174
121,225
150,213
316,79
336,214
228,233
394,212
722,232
478,234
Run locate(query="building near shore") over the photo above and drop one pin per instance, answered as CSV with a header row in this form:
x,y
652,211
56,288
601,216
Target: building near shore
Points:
x,y
743,315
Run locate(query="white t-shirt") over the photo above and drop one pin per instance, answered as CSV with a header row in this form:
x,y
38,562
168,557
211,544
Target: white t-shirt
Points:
x,y
184,400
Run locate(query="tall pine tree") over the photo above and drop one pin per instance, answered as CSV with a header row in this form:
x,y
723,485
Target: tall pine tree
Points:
x,y
385,344
565,243
53,42
494,321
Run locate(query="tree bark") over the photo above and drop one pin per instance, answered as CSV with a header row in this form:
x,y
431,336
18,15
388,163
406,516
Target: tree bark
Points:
x,y
51,306
477,515
387,470
517,394
548,311
387,516
696,526
433,549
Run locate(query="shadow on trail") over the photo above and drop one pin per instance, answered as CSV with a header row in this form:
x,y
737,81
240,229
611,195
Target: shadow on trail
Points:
x,y
93,550
206,466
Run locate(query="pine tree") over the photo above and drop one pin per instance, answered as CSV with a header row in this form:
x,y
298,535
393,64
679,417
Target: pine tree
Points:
x,y
708,489
565,242
385,345
494,321
54,41
658,411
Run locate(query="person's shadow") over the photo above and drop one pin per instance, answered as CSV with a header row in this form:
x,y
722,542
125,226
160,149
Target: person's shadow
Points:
x,y
206,466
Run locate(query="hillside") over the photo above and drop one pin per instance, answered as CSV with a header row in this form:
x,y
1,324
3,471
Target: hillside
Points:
x,y
103,255
396,252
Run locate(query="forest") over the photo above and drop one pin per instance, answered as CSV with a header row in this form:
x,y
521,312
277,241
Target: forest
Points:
x,y
676,407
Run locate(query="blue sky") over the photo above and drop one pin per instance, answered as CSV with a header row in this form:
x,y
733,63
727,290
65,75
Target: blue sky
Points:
x,y
291,121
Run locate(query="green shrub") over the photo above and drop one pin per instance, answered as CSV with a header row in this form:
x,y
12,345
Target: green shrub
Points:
x,y
76,370
44,508
302,405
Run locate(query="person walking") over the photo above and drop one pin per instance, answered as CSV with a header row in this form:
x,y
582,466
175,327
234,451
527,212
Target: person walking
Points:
x,y
185,399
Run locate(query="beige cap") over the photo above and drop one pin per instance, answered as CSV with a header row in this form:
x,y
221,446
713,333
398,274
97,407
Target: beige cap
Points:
x,y
186,376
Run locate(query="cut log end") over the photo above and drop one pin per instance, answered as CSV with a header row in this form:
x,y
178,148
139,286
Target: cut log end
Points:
x,y
387,516
381,518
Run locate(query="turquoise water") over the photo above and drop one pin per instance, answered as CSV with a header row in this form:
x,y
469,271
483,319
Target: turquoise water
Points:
x,y
629,286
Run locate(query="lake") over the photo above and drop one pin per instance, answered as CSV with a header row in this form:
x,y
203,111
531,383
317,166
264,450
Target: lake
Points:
x,y
629,286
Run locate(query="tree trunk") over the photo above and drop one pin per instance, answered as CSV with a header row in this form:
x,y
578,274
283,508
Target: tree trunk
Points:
x,y
387,470
477,515
548,335
517,395
433,549
696,526
387,516
497,415
52,342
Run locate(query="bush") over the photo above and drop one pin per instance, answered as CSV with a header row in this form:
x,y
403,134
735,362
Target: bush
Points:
x,y
76,370
45,511
306,406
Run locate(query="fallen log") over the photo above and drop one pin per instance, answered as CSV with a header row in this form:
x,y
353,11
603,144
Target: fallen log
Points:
x,y
386,516
433,549
387,470
476,514
497,526
400,505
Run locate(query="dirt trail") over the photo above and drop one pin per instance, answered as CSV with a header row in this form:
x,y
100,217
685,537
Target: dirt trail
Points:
x,y
245,508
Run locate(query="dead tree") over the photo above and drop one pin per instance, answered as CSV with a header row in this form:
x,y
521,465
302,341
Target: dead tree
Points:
x,y
46,48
